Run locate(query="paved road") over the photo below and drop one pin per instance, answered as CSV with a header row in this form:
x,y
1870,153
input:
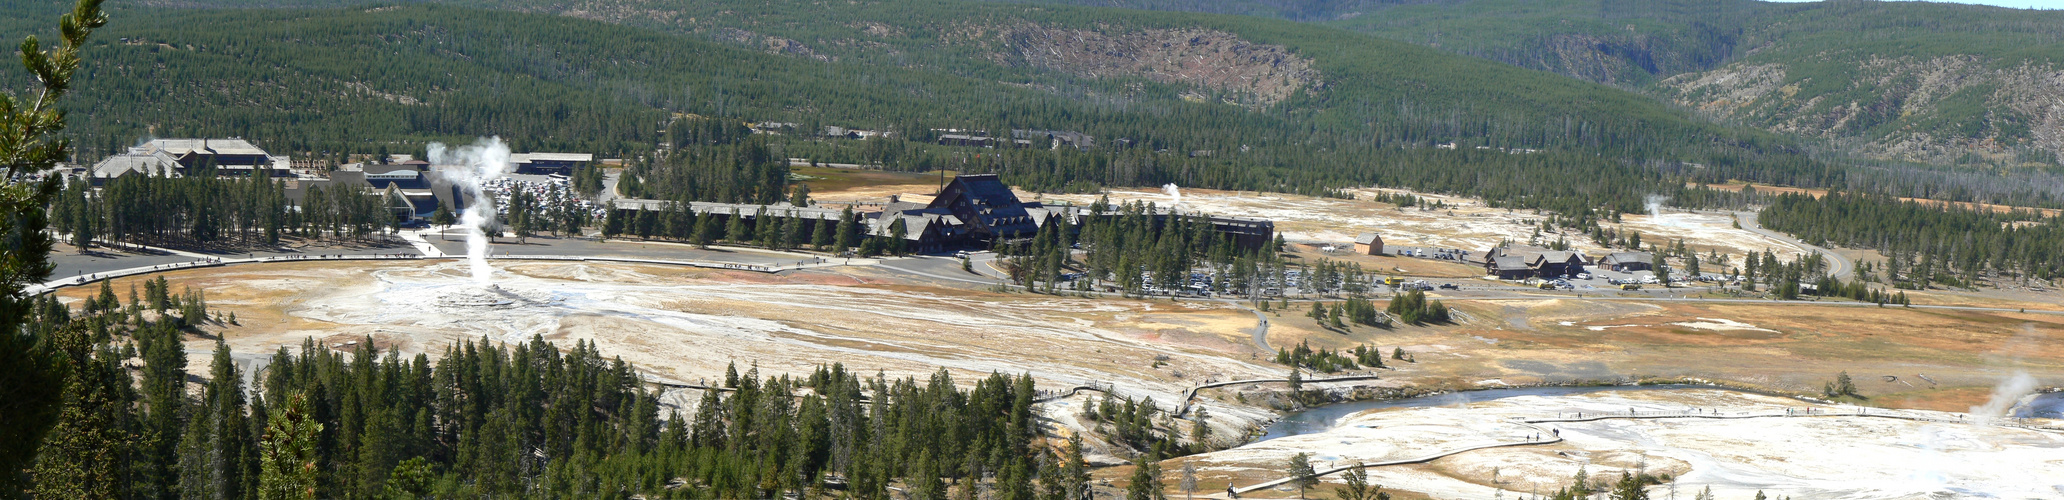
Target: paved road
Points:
x,y
103,261
454,243
609,180
944,268
71,264
1838,266
1829,303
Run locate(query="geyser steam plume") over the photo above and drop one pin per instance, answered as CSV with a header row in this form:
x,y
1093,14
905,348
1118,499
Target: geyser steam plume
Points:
x,y
1172,193
1655,211
1655,205
469,167
2004,396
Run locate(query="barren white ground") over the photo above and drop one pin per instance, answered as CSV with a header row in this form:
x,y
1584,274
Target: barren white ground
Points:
x,y
685,326
1804,458
1468,224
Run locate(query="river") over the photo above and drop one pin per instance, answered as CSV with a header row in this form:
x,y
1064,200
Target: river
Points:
x,y
2045,406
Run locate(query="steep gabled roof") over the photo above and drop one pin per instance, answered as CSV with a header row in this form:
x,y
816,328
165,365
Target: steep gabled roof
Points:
x,y
1627,257
1509,263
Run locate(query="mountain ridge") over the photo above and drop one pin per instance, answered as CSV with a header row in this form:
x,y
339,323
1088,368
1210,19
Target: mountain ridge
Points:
x,y
1845,57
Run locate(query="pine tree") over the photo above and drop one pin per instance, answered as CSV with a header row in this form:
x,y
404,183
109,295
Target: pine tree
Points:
x,y
799,196
646,223
1015,482
1630,487
84,457
1071,481
1357,486
35,372
1146,481
215,459
613,223
766,229
793,234
82,222
735,230
705,230
443,216
163,388
1302,476
848,229
821,236
412,478
897,234
287,458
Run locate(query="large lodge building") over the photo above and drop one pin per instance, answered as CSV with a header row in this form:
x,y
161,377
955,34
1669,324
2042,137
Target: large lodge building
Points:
x,y
183,157
1521,262
416,183
971,212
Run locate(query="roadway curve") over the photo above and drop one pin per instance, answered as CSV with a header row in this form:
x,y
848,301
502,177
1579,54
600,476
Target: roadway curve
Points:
x,y
1838,266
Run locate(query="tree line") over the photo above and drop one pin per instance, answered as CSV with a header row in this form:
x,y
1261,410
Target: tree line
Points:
x,y
522,419
203,210
1927,242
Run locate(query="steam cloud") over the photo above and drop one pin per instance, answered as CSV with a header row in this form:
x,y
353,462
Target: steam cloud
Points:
x,y
2004,396
1655,211
1172,193
1655,204
484,160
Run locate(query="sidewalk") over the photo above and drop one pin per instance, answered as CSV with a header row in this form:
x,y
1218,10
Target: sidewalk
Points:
x,y
422,245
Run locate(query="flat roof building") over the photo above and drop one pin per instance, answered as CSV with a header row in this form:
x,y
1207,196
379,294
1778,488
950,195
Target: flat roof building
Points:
x,y
550,163
183,157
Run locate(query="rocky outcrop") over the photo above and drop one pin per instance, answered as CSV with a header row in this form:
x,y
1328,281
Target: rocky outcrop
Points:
x,y
1940,109
770,44
1213,61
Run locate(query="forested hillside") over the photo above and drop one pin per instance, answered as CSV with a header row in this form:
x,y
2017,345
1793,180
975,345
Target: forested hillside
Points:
x,y
1927,242
1278,106
1911,81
